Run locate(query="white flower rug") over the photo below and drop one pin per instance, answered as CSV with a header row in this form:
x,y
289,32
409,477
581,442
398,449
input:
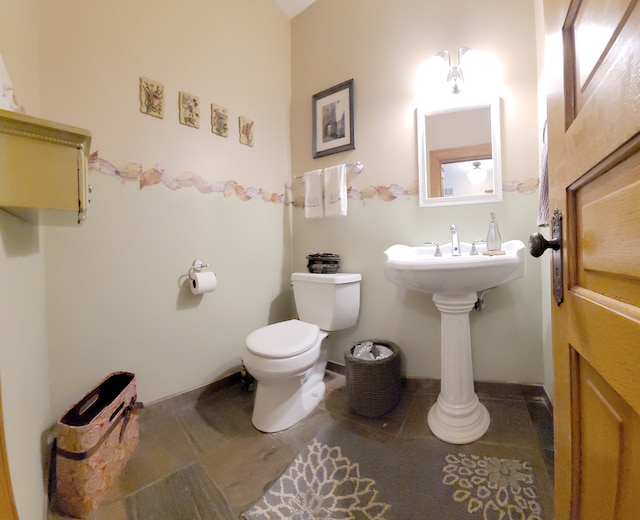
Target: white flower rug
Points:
x,y
321,483
342,475
496,488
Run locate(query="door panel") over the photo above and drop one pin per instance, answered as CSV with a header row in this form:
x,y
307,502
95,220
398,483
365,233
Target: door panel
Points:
x,y
593,109
601,448
594,32
607,229
608,471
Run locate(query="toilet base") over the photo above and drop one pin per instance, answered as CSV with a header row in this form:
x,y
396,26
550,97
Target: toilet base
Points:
x,y
281,405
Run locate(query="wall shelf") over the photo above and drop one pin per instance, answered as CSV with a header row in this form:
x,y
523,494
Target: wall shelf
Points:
x,y
43,170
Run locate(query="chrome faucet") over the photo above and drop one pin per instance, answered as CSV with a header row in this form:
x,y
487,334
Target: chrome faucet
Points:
x,y
455,241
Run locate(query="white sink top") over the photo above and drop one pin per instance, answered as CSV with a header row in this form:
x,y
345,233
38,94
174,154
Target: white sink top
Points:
x,y
416,267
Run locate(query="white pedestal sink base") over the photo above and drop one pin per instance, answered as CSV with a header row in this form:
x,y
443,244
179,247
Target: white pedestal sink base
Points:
x,y
458,424
458,416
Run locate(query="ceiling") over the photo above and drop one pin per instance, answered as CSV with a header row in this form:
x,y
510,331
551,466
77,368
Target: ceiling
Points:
x,y
293,7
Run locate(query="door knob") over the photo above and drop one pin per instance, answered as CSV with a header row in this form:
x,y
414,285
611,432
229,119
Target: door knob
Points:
x,y
538,244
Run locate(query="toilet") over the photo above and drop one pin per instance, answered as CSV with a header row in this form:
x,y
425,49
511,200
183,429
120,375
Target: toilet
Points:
x,y
288,359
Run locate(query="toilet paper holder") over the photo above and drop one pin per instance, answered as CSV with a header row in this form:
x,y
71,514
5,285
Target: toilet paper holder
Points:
x,y
197,266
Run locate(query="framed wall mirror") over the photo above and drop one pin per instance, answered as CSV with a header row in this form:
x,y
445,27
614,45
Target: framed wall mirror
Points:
x,y
459,154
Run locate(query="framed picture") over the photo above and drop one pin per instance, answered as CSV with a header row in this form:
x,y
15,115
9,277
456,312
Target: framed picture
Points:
x,y
333,123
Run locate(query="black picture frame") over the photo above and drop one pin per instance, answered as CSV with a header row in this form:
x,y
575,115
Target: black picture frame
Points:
x,y
333,120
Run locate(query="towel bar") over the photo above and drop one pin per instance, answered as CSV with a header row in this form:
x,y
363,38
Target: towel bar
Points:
x,y
357,167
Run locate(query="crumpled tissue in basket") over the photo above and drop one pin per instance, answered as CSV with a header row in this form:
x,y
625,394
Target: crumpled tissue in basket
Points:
x,y
368,350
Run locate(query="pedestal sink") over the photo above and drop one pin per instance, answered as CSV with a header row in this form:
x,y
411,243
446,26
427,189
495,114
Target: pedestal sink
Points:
x,y
458,416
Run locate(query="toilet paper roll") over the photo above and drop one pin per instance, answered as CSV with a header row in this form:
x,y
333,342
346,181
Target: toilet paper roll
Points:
x,y
203,282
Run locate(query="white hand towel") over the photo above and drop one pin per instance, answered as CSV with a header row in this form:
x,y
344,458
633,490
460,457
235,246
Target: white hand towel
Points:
x,y
313,205
543,201
335,191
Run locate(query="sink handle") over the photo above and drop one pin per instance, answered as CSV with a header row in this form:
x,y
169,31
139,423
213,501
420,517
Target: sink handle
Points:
x,y
474,251
438,252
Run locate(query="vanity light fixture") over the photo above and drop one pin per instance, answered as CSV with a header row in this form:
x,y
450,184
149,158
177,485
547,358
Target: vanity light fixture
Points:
x,y
477,174
455,78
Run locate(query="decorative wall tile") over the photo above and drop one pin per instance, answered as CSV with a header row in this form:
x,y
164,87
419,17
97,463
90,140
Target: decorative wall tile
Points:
x,y
246,130
219,120
134,172
527,186
189,109
151,98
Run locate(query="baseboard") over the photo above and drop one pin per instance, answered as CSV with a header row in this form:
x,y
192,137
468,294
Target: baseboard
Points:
x,y
483,388
336,367
488,388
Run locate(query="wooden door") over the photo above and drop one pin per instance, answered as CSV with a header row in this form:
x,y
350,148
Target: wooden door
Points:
x,y
7,505
593,60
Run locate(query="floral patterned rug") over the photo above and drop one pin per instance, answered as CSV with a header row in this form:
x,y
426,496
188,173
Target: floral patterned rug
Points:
x,y
497,488
321,483
342,476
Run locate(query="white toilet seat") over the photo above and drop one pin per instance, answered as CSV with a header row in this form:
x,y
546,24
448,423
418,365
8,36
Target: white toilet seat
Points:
x,y
289,386
288,359
283,340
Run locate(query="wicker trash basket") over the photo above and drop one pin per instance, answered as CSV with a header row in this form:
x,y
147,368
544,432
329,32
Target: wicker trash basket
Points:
x,y
373,386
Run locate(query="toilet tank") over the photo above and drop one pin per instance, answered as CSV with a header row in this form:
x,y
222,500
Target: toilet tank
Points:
x,y
330,301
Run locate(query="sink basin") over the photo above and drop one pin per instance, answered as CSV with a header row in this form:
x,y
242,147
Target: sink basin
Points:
x,y
417,268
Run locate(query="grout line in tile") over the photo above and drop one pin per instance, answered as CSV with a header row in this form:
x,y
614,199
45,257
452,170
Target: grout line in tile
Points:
x,y
406,416
184,431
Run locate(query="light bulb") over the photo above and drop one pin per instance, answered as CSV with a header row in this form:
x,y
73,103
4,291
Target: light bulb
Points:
x,y
477,174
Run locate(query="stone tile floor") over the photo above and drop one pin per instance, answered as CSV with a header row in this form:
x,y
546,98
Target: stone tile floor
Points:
x,y
199,457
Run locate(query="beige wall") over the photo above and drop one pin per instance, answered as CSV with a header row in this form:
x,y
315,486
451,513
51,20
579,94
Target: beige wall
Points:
x,y
333,41
19,46
545,264
116,287
24,357
78,303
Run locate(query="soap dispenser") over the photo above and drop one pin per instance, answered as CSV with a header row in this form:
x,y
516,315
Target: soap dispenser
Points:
x,y
494,242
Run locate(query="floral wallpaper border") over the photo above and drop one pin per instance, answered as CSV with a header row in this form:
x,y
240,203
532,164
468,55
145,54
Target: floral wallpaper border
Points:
x,y
135,172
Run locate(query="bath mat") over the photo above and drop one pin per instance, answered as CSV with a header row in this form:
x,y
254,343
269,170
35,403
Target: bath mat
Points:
x,y
321,483
498,488
343,474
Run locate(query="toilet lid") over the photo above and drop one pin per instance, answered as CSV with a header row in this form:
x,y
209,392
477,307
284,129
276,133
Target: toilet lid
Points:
x,y
284,339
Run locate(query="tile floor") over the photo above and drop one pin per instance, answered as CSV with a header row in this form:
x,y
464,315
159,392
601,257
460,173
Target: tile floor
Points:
x,y
199,457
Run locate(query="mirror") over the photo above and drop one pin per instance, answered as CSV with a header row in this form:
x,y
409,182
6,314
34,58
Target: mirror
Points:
x,y
459,154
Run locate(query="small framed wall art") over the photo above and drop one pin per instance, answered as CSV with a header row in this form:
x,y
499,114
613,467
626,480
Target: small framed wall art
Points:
x,y
189,109
219,120
246,130
151,98
333,120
